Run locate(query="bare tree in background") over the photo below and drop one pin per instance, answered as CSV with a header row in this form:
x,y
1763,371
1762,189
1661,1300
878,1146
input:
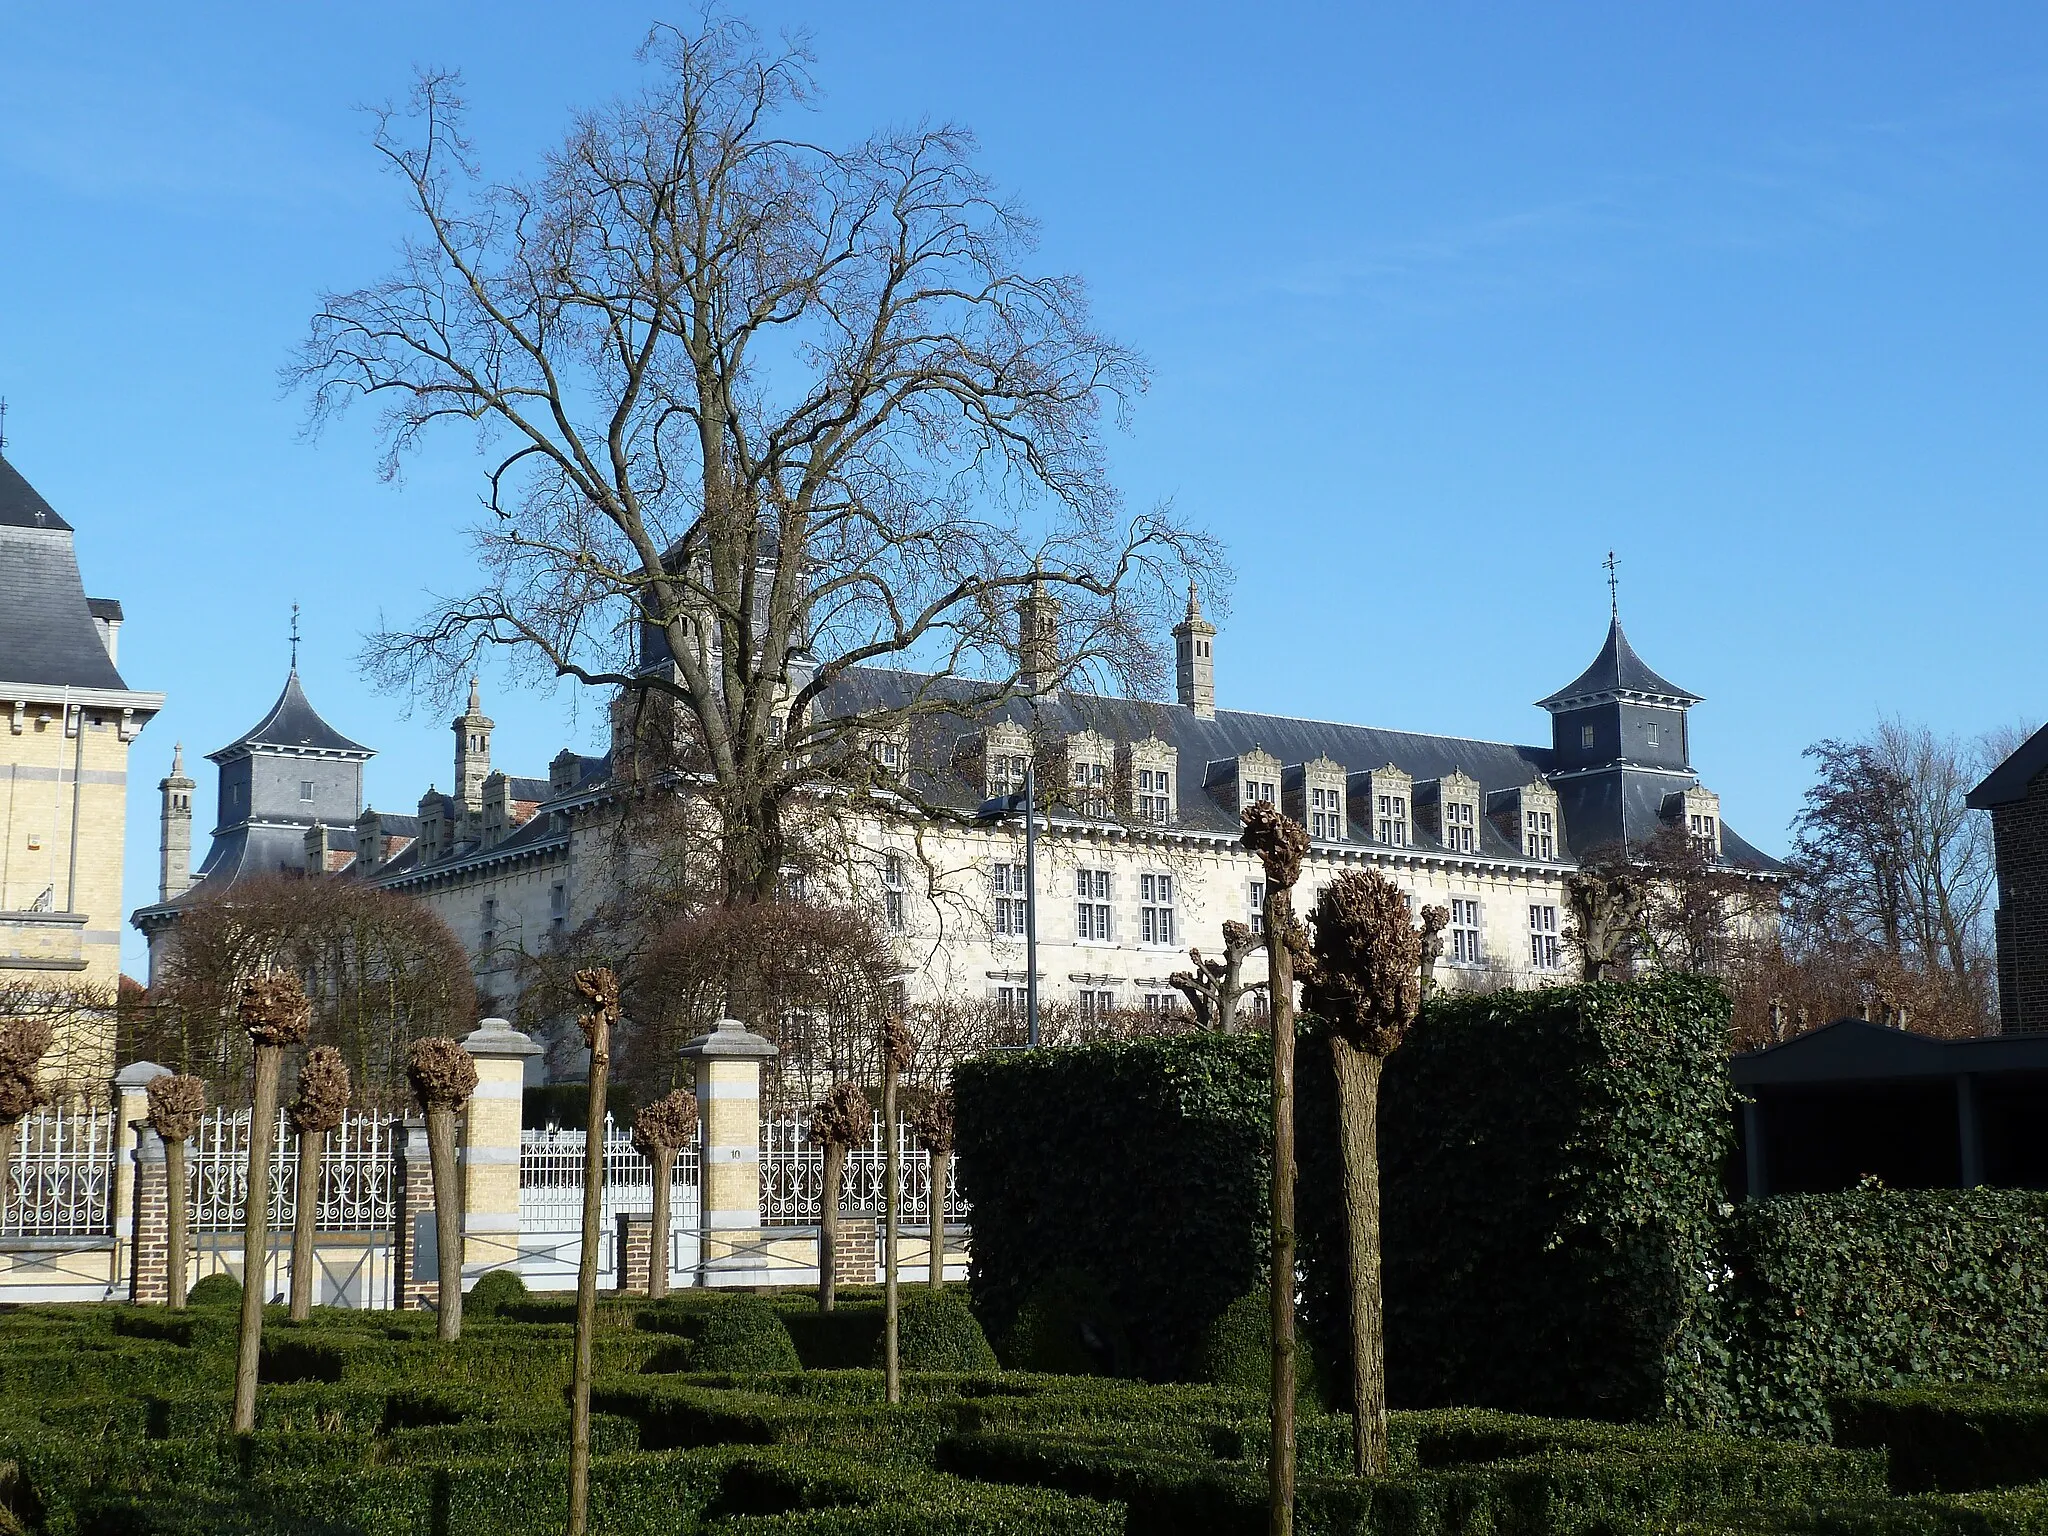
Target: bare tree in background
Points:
x,y
780,410
1607,895
1214,987
76,1023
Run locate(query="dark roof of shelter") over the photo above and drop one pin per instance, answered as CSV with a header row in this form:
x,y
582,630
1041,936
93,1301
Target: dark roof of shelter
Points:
x,y
47,634
2009,781
293,725
22,505
1856,1050
1617,669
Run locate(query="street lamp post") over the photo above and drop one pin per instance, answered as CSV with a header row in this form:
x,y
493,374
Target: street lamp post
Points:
x,y
1030,905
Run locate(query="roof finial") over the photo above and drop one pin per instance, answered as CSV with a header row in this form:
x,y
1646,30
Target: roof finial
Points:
x,y
295,637
1613,587
476,705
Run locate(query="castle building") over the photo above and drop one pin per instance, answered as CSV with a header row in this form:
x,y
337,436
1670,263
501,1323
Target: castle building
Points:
x,y
1139,854
69,720
289,776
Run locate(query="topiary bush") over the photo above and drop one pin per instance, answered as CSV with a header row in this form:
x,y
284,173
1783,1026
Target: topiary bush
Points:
x,y
722,1331
935,1331
222,1290
1237,1351
1070,1326
493,1293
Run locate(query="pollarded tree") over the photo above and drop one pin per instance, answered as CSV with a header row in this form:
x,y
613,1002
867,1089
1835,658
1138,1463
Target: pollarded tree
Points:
x,y
897,1049
932,1120
176,1106
1366,986
274,1013
1608,897
316,1111
443,1076
660,1130
1281,844
22,1044
770,410
1214,988
599,989
840,1121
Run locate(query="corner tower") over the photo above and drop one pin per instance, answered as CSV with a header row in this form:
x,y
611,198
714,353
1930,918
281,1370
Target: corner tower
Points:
x,y
472,752
174,841
1194,660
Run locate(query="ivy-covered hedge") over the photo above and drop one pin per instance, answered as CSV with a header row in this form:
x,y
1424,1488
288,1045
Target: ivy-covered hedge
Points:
x,y
1143,1163
1551,1176
1875,1288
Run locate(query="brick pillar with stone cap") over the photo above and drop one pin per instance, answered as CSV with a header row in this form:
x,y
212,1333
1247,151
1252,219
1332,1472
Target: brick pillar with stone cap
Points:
x,y
853,1249
414,1258
635,1251
131,1127
729,1100
490,1148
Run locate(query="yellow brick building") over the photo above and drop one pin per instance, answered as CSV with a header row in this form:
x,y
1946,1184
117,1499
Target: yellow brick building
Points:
x,y
66,722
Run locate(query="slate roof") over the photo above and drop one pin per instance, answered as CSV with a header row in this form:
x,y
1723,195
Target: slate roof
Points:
x,y
1617,669
241,852
47,634
2010,780
1856,1050
292,725
526,789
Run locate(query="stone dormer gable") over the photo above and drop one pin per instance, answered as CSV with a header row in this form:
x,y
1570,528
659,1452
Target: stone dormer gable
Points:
x,y
1385,801
1315,795
1529,818
1696,812
888,752
995,758
1078,772
1243,780
1448,810
1148,776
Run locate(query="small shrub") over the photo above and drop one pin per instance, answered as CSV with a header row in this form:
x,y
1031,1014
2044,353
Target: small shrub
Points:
x,y
1237,1351
935,1331
215,1291
1070,1326
741,1333
490,1295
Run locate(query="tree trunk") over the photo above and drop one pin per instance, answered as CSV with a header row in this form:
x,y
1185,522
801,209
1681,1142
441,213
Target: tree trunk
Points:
x,y
174,1212
256,1235
1280,968
657,1236
447,1222
586,1279
892,1373
305,1221
935,1202
828,1223
1358,1112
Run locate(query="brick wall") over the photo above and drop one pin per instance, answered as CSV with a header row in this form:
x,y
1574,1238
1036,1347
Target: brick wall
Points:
x,y
2020,835
636,1251
853,1250
149,1282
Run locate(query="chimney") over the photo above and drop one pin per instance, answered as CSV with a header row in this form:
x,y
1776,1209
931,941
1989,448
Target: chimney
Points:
x,y
174,842
1194,660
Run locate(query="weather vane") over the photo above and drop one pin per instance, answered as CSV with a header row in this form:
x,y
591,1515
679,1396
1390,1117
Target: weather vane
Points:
x,y
1613,585
295,637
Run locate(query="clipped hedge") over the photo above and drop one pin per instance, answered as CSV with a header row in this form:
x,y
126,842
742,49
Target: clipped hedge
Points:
x,y
1144,1162
1551,1202
1953,1439
935,1331
1875,1288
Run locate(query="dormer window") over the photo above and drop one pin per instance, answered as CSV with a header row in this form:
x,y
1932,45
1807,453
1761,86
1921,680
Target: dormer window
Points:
x,y
1326,814
1151,795
1146,771
1539,835
1461,830
1389,805
1091,788
1390,820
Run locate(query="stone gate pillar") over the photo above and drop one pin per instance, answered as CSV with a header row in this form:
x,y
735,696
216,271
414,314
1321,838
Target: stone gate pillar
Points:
x,y
729,1101
490,1148
131,1116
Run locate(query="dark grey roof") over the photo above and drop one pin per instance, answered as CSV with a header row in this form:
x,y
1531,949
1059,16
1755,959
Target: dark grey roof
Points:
x,y
22,506
1624,808
1617,669
47,634
2010,780
394,825
1856,1050
241,852
526,789
531,835
108,608
293,725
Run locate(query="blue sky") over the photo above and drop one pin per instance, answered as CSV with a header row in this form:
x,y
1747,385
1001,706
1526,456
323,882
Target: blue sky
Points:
x,y
1441,303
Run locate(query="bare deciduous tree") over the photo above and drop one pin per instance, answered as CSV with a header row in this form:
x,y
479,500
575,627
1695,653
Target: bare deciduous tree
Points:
x,y
599,989
933,1123
1607,896
176,1105
660,1130
777,410
1214,987
318,1109
838,1123
22,1044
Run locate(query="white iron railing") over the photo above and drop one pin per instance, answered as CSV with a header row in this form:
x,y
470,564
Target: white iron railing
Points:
x,y
551,1179
62,1177
358,1175
793,1169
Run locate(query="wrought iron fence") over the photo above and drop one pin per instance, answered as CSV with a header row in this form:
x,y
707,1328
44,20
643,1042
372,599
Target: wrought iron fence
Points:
x,y
63,1174
793,1171
358,1175
551,1179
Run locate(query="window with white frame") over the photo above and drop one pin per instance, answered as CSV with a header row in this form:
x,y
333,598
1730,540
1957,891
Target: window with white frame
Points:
x,y
892,891
1704,838
1006,773
1257,790
1390,819
1091,906
1012,1002
1256,892
1539,835
1091,788
1155,908
1162,1004
1543,937
1461,826
1154,805
1326,814
886,753
305,789
1095,1004
1007,888
1466,931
